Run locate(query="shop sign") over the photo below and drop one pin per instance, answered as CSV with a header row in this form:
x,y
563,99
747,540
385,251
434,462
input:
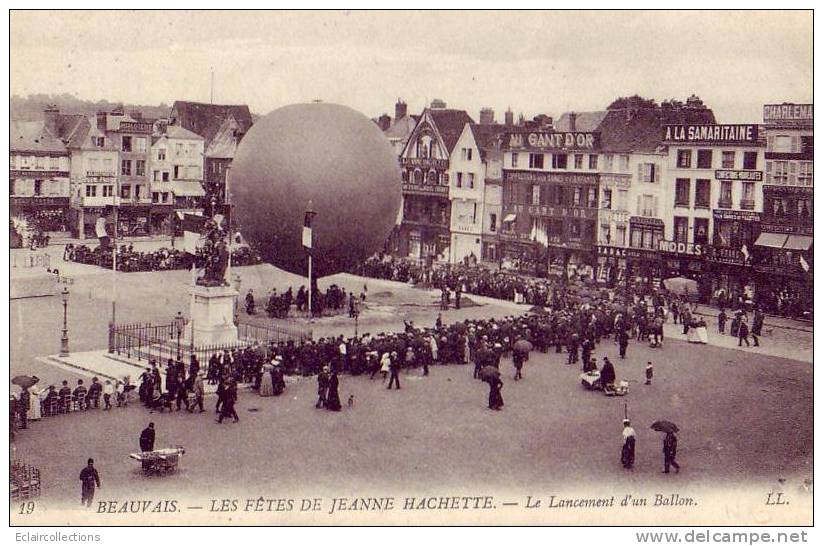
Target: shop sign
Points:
x,y
38,174
564,212
642,254
616,180
730,256
739,215
558,178
542,140
135,127
617,216
656,223
788,113
39,201
573,245
720,134
687,249
425,163
611,251
769,189
749,176
428,189
787,228
779,270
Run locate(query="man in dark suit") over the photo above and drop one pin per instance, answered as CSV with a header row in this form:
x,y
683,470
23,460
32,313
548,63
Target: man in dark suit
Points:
x,y
88,480
394,368
670,452
147,441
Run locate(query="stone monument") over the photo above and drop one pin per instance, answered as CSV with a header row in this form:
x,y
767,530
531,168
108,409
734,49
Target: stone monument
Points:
x,y
212,298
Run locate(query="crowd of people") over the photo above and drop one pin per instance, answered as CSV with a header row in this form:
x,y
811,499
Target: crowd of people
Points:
x,y
130,260
33,403
333,300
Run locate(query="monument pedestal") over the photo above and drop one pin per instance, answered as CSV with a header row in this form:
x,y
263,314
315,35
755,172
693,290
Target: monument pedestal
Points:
x,y
212,315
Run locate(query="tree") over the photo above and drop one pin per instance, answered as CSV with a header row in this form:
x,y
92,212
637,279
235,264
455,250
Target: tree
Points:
x,y
635,101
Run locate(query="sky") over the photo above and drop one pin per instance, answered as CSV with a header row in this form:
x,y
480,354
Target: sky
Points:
x,y
534,62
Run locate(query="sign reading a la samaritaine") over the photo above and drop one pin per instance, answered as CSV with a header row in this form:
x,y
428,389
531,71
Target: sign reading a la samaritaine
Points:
x,y
721,134
792,113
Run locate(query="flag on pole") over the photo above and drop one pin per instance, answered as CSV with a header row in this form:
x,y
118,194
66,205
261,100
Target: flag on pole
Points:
x,y
745,251
804,264
100,232
307,238
192,226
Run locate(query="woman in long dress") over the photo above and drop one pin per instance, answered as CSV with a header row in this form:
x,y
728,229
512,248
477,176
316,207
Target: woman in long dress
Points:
x,y
266,385
333,398
495,397
627,453
35,400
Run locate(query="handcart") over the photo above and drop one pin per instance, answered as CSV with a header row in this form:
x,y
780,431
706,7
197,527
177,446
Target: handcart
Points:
x,y
160,461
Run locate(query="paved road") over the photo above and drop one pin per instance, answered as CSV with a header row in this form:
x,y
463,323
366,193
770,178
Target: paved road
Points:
x,y
745,417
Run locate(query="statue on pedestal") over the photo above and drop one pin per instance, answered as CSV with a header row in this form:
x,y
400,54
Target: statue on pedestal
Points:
x,y
215,253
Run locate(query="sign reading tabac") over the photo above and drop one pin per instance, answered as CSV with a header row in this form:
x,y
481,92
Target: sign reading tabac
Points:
x,y
720,134
548,140
788,113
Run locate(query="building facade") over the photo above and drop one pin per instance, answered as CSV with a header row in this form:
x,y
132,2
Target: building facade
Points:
x,y
39,187
424,231
177,175
783,254
550,202
713,202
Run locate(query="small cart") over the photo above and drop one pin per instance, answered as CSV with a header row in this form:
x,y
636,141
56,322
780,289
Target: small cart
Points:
x,y
160,461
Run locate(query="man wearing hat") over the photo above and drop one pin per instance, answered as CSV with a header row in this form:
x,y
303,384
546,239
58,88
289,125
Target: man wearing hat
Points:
x,y
322,387
394,369
199,390
88,480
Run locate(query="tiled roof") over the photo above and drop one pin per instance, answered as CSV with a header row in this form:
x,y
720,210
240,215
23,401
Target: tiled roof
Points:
x,y
206,119
402,128
450,124
585,122
486,134
175,131
32,136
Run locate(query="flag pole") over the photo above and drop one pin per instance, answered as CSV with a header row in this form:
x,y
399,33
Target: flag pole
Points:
x,y
308,243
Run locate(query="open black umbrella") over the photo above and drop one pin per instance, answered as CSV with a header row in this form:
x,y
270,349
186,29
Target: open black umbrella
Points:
x,y
664,426
25,381
487,373
523,346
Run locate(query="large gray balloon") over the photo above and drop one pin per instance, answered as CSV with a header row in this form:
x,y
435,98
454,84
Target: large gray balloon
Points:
x,y
330,155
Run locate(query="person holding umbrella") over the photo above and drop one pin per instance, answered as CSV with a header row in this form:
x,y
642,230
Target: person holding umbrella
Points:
x,y
670,452
669,444
520,354
491,375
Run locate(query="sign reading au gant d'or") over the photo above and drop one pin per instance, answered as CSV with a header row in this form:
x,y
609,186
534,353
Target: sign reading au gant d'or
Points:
x,y
546,140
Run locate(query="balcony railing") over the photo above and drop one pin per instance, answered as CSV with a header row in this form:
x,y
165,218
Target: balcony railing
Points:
x,y
724,203
747,204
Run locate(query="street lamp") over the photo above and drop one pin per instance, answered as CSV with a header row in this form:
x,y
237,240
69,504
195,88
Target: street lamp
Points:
x,y
179,324
64,341
236,281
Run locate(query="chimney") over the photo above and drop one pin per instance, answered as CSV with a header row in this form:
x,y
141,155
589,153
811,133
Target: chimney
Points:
x,y
399,110
438,104
51,114
509,117
101,120
486,116
136,115
572,121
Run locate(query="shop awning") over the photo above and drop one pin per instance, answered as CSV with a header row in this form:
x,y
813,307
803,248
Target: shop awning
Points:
x,y
798,242
187,188
509,218
772,240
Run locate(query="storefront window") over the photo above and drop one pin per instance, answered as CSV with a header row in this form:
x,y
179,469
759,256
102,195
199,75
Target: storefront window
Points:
x,y
701,231
681,192
702,193
681,229
684,159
